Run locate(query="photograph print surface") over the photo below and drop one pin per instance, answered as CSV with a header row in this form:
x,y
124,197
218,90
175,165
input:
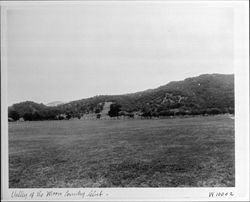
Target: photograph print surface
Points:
x,y
116,94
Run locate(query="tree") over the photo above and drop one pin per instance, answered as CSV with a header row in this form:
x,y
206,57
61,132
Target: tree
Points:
x,y
114,110
14,115
36,116
27,117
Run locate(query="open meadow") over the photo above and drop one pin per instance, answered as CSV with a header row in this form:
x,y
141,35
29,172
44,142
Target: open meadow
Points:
x,y
180,152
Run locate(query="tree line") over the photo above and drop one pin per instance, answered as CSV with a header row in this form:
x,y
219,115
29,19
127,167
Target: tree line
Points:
x,y
115,111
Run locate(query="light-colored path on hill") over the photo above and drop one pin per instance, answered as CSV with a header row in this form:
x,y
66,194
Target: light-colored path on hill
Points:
x,y
106,108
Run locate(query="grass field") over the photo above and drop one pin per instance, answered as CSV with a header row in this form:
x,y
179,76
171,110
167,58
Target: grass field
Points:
x,y
181,152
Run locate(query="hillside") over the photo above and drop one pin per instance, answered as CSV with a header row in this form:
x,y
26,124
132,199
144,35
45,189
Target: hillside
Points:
x,y
54,104
205,94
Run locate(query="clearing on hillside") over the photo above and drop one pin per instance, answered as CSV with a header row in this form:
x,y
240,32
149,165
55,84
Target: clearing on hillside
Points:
x,y
180,152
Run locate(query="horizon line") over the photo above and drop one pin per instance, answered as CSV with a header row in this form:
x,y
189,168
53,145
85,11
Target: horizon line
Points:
x,y
122,94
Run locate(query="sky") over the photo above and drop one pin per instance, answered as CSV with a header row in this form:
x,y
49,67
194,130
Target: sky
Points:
x,y
66,53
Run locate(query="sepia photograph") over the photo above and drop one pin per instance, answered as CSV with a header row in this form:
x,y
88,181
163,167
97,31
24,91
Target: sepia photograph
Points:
x,y
120,95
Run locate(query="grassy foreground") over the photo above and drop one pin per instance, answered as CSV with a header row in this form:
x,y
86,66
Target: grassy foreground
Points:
x,y
181,152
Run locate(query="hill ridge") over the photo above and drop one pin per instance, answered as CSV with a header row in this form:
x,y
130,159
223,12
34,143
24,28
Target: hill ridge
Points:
x,y
203,94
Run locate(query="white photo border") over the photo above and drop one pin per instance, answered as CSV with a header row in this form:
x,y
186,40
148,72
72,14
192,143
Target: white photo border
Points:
x,y
241,63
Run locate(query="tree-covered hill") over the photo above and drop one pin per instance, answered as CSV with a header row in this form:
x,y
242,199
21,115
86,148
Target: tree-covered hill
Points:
x,y
205,94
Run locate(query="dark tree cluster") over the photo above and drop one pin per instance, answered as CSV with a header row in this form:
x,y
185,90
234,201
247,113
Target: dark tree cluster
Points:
x,y
14,115
114,110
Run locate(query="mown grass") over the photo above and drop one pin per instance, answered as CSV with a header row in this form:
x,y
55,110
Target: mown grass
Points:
x,y
182,152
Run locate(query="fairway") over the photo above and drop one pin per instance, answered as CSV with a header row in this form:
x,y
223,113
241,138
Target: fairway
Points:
x,y
180,152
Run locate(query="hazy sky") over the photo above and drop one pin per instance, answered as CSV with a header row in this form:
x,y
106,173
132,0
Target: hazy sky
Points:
x,y
68,53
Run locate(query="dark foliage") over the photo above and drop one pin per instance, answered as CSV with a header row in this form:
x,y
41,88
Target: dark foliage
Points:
x,y
114,110
14,115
